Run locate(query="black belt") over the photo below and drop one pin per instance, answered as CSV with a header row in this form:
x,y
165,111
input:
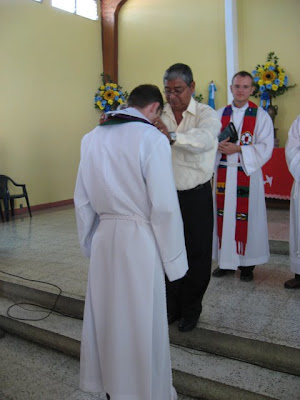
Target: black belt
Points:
x,y
199,187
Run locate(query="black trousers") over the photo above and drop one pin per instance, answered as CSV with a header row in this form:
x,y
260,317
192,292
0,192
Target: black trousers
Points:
x,y
184,296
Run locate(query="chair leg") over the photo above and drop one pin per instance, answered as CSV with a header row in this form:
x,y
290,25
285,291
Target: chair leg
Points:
x,y
6,208
28,206
12,206
1,212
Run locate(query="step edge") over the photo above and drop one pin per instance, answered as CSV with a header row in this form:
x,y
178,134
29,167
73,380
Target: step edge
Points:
x,y
63,302
209,389
238,348
253,351
50,339
186,383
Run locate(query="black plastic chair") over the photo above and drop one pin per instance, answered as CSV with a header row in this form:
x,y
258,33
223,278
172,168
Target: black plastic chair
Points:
x,y
1,213
10,198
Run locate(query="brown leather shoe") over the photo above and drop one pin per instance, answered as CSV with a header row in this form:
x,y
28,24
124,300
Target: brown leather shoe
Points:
x,y
292,283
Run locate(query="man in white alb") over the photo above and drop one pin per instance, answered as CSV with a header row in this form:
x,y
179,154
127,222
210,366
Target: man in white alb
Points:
x,y
240,221
292,155
130,226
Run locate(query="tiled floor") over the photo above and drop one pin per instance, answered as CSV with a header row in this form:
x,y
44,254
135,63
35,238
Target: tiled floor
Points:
x,y
45,248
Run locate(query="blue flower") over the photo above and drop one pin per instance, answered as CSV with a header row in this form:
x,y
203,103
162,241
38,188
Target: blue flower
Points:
x,y
277,82
271,68
265,96
256,79
103,102
254,72
285,80
269,86
262,88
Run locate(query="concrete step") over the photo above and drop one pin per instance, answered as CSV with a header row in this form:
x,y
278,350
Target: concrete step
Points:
x,y
29,371
279,247
196,373
259,350
218,378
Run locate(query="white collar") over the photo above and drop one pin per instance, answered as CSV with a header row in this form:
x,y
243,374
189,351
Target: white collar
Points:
x,y
129,111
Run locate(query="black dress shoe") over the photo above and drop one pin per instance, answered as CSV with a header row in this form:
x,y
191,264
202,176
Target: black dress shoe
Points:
x,y
246,276
107,396
292,283
173,318
218,272
186,325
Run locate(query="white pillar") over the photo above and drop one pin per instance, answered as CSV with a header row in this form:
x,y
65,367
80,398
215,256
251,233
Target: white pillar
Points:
x,y
231,34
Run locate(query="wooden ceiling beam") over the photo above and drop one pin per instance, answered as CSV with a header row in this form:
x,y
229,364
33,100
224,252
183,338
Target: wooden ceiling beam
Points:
x,y
109,22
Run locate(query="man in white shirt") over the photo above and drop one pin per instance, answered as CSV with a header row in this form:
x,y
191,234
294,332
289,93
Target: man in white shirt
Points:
x,y
129,224
240,222
192,128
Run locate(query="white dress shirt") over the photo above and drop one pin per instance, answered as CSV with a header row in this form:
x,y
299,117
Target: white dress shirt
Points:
x,y
193,153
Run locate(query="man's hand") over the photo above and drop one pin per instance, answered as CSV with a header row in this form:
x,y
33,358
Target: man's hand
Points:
x,y
161,127
102,119
226,147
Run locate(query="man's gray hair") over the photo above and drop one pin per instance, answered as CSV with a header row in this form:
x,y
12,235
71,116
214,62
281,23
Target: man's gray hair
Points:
x,y
179,71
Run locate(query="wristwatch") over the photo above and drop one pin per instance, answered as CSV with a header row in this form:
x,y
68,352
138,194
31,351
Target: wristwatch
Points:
x,y
173,137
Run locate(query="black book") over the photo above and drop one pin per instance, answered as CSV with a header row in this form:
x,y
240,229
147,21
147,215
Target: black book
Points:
x,y
230,132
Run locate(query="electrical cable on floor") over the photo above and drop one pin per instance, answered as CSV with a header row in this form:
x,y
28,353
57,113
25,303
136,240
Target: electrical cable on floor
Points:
x,y
43,308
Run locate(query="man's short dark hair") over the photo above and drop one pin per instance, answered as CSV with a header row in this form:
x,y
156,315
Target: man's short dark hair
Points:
x,y
243,74
179,71
144,95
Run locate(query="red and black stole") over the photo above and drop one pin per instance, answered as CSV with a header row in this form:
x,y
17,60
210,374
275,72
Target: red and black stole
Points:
x,y
243,181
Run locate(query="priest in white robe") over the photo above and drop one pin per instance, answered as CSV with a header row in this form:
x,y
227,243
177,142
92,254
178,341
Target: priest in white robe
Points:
x,y
292,155
129,224
240,236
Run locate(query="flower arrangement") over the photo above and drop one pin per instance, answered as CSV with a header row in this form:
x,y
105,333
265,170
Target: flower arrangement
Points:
x,y
109,95
269,80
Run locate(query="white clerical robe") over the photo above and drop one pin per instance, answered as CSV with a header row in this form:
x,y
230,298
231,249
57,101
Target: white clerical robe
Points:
x,y
252,158
130,225
292,154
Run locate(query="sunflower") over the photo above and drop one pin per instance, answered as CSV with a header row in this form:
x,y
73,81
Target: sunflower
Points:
x,y
268,75
109,95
